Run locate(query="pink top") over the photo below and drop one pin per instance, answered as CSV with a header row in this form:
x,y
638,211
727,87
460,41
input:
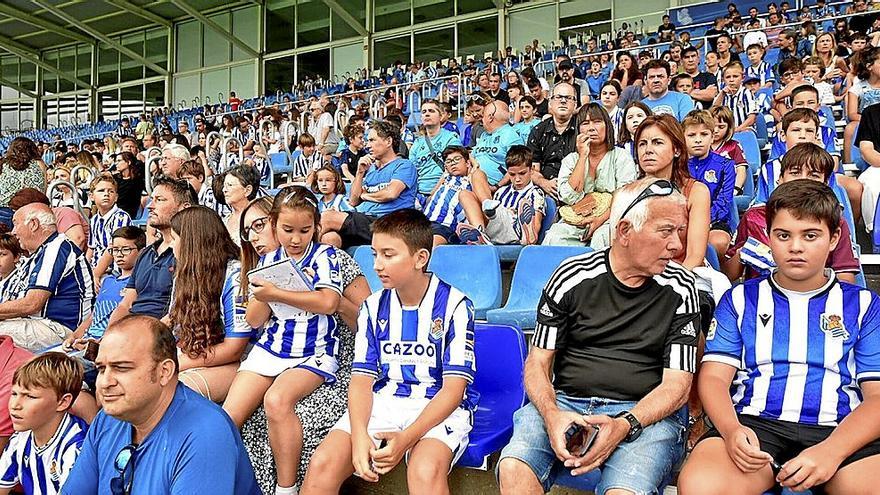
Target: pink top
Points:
x,y
11,357
66,217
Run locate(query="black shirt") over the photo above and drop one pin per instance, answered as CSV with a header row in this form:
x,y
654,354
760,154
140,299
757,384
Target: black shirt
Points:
x,y
666,30
869,126
130,192
712,36
543,108
705,80
614,341
501,96
550,147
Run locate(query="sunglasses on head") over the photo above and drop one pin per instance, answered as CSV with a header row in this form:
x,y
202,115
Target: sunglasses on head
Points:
x,y
658,188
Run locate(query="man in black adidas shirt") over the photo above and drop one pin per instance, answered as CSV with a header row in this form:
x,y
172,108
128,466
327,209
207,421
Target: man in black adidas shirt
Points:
x,y
615,347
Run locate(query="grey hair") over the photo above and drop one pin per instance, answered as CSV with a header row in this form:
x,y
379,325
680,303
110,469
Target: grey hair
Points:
x,y
638,214
45,218
178,150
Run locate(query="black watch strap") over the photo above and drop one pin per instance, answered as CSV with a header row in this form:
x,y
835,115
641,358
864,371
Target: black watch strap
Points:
x,y
635,428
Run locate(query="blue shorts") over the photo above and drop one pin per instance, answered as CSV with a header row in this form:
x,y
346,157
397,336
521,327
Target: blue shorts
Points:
x,y
641,467
445,232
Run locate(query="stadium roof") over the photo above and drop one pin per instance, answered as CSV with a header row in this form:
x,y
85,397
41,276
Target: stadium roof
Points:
x,y
28,26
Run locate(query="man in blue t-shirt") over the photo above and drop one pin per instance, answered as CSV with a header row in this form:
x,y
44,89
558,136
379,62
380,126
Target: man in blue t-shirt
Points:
x,y
660,99
384,183
428,156
154,434
492,145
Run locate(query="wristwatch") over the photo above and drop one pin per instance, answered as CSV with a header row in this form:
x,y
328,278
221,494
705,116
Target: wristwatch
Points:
x,y
635,428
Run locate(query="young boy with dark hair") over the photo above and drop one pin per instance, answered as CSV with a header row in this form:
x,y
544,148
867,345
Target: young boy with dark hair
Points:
x,y
515,212
800,125
103,223
736,97
807,96
791,75
47,438
307,160
444,206
791,367
714,170
758,68
413,365
750,253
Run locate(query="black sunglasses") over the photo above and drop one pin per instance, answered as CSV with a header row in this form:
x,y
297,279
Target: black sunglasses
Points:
x,y
121,485
658,188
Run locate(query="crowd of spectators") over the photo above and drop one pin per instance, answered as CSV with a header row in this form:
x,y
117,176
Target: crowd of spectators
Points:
x,y
234,335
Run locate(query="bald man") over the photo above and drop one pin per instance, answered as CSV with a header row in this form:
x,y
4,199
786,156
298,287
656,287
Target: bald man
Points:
x,y
52,291
493,144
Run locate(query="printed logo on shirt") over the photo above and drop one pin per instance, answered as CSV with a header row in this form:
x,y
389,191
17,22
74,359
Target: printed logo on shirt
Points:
x,y
408,354
710,176
383,324
765,318
832,325
437,329
661,109
545,310
689,330
711,334
448,430
54,473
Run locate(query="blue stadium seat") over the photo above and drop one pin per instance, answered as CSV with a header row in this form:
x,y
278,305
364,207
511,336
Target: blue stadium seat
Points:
x,y
475,270
141,220
749,142
533,269
501,354
855,154
280,163
712,258
745,199
364,257
761,131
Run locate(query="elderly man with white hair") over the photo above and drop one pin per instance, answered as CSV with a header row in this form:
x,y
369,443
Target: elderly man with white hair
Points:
x,y
51,292
492,145
612,357
173,156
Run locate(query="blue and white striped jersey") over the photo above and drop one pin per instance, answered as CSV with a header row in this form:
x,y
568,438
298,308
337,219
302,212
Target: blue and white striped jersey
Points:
x,y
304,165
410,350
308,334
207,198
102,228
800,357
42,470
338,203
768,179
742,104
59,267
511,198
444,206
762,71
231,304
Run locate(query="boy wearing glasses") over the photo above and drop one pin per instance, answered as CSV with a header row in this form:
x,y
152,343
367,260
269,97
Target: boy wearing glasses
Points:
x,y
107,219
47,438
444,205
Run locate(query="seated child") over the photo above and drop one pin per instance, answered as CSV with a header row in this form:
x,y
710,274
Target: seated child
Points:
x,y
807,96
10,253
724,144
193,172
106,220
814,70
684,83
713,170
444,207
330,189
47,438
737,98
514,214
410,392
791,75
758,68
749,251
307,161
789,374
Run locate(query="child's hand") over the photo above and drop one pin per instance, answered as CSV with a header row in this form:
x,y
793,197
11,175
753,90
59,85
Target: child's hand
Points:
x,y
361,445
397,443
263,290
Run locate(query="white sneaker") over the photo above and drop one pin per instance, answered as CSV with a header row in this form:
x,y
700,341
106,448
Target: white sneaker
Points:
x,y
489,207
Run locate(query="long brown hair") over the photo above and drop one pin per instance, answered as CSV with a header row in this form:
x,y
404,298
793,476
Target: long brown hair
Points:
x,y
22,151
249,256
623,135
669,126
203,252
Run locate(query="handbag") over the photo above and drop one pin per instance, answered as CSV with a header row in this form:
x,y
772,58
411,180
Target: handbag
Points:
x,y
583,212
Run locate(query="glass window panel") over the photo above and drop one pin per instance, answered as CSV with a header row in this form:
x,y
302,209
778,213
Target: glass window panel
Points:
x,y
109,102
347,59
50,79
467,6
527,25
280,26
67,65
132,99
28,75
216,48
154,95
189,46
214,82
108,65
386,52
313,23
9,116
391,14
84,62
9,72
242,81
26,114
314,64
357,9
156,50
430,10
434,45
130,70
279,74
187,88
478,37
244,27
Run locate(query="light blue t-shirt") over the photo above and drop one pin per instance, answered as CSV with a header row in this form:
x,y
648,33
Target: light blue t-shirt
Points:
x,y
525,128
377,179
674,103
491,151
109,297
428,168
195,448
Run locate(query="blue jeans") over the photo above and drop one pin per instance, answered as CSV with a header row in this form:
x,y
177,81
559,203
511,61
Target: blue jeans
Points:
x,y
641,466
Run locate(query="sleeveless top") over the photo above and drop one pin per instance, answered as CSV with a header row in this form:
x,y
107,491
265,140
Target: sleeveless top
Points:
x,y
12,181
686,190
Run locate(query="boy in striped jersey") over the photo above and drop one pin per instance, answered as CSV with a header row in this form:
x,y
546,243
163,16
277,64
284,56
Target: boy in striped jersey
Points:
x,y
735,96
514,214
758,68
791,371
48,438
106,220
410,391
445,206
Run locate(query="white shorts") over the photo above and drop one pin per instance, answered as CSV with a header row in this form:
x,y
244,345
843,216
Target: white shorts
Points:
x,y
37,335
398,413
263,362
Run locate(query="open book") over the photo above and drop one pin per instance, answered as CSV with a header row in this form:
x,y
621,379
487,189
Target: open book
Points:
x,y
285,274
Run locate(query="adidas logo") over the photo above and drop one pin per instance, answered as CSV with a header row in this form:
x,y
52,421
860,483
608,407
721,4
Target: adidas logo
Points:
x,y
764,319
545,310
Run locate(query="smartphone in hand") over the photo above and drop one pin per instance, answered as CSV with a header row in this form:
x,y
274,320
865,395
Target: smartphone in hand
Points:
x,y
578,439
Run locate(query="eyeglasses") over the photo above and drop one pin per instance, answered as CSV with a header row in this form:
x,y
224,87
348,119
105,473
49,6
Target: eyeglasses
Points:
x,y
124,251
453,160
256,227
563,98
125,458
660,188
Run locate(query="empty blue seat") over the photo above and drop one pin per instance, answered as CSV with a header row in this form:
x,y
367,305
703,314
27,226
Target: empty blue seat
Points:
x,y
749,142
280,163
364,257
712,258
474,270
533,269
501,354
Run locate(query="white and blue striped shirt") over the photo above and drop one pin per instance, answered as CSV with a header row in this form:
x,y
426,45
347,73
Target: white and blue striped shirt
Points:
x,y
511,198
60,268
338,203
742,104
410,350
42,470
308,334
444,207
800,357
232,305
762,71
304,165
102,228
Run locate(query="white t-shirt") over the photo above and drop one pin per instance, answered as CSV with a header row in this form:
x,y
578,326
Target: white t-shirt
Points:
x,y
754,37
317,128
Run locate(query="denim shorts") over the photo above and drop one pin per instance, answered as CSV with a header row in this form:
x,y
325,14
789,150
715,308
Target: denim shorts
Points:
x,y
641,466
